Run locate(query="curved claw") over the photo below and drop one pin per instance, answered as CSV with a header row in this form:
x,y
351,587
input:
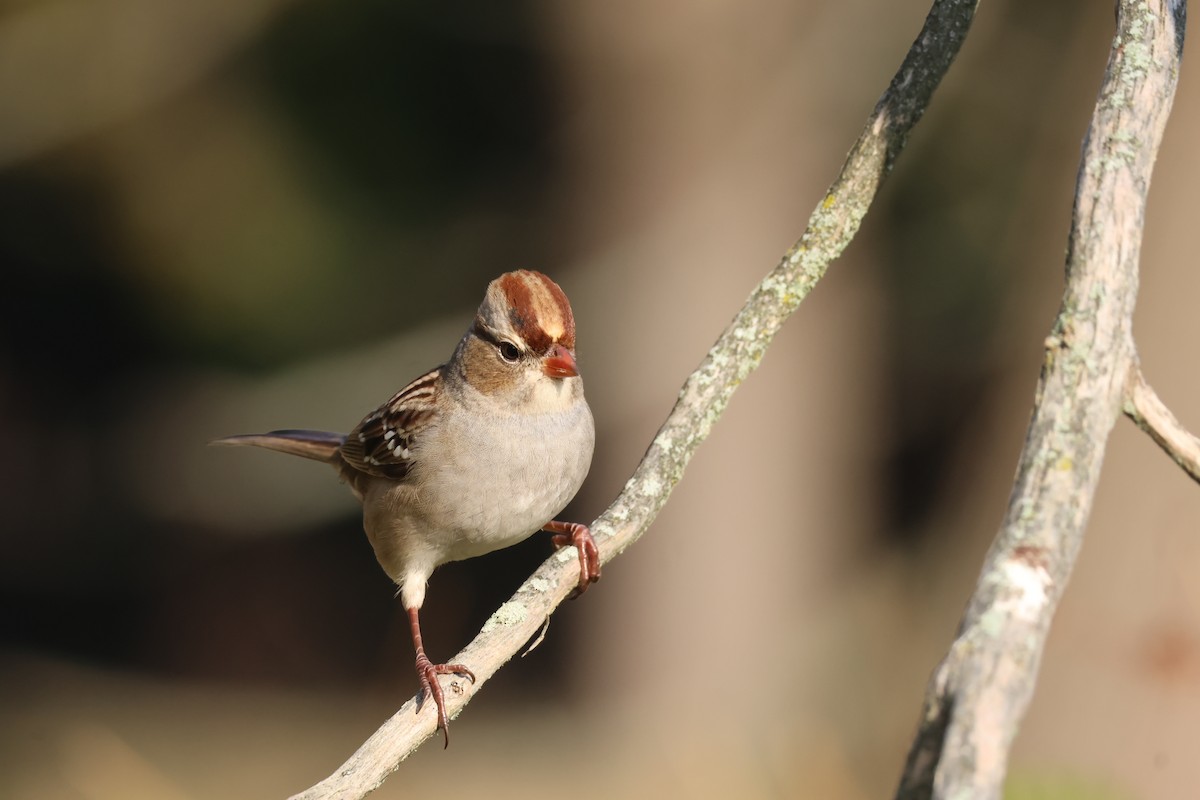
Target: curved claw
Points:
x,y
427,671
580,537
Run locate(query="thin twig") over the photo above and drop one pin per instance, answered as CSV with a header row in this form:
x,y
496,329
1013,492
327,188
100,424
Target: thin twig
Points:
x,y
1152,416
978,695
701,401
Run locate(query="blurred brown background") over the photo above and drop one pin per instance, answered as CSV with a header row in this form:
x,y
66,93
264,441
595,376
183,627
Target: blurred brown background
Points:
x,y
237,215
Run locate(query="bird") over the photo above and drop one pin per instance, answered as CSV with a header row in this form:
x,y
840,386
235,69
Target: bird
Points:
x,y
473,456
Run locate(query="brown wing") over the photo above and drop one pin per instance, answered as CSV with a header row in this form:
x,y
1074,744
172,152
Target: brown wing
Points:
x,y
382,444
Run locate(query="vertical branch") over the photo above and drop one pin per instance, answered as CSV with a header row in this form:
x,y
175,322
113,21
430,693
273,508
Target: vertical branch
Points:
x,y
979,693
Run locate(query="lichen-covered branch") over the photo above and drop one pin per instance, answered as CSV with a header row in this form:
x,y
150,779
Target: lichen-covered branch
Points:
x,y
978,695
1152,416
701,402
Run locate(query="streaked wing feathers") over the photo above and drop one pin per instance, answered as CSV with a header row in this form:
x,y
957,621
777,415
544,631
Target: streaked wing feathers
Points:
x,y
382,444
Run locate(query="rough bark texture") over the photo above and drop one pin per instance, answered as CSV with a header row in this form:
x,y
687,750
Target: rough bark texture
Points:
x,y
701,402
979,694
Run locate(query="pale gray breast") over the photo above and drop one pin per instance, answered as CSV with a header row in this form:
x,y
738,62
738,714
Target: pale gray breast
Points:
x,y
497,484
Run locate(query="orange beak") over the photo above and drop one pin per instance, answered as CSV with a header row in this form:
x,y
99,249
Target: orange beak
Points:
x,y
560,363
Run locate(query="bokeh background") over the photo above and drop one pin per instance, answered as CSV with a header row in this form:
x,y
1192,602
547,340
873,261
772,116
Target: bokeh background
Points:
x,y
236,215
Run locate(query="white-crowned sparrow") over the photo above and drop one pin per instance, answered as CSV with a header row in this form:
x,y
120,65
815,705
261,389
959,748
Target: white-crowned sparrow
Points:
x,y
472,456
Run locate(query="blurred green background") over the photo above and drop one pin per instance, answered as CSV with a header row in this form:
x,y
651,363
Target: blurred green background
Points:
x,y
238,215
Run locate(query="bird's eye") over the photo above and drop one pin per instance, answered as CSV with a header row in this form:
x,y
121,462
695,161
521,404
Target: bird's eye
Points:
x,y
509,352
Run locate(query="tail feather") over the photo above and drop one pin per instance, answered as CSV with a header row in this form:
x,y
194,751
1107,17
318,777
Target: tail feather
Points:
x,y
317,445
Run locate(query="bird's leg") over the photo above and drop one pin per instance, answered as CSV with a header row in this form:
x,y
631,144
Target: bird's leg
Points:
x,y
427,671
574,533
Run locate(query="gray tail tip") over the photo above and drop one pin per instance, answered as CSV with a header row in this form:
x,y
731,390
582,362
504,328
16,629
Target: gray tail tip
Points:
x,y
312,437
230,440
317,445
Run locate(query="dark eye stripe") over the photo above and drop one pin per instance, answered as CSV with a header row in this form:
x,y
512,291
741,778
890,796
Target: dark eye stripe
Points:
x,y
508,351
483,333
479,330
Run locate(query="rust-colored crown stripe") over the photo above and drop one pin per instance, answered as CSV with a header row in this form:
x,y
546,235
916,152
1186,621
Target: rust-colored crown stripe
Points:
x,y
539,311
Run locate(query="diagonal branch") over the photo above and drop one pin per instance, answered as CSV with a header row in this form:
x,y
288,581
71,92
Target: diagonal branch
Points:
x,y
981,690
1151,415
701,402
